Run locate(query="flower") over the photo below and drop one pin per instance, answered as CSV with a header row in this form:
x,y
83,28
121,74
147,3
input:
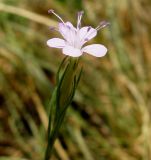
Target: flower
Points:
x,y
74,38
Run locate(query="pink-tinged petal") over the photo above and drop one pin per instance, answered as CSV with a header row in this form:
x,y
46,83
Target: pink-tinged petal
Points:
x,y
56,43
96,50
63,30
68,31
69,24
87,33
71,51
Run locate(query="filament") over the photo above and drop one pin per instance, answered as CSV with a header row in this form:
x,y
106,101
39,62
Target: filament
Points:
x,y
52,11
80,14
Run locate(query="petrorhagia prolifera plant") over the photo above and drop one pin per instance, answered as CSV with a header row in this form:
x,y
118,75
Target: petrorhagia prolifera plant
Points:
x,y
69,71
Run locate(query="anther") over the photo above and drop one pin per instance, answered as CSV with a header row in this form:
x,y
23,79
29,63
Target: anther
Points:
x,y
50,11
89,28
53,28
86,39
104,24
80,13
68,27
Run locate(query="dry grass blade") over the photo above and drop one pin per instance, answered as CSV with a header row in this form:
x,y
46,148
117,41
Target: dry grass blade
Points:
x,y
27,14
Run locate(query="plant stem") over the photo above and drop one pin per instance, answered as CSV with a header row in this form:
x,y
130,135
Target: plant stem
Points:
x,y
62,96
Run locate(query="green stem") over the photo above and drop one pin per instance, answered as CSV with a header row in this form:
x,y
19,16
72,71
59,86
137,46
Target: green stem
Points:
x,y
50,145
61,99
53,136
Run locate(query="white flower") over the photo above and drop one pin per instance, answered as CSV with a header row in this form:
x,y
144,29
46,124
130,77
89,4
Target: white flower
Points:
x,y
74,38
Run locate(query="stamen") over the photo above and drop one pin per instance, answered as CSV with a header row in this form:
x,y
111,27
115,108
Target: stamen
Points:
x,y
80,14
52,11
86,39
89,28
53,28
68,27
102,25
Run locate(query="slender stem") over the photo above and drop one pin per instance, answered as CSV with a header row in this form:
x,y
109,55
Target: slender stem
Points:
x,y
49,149
61,99
50,144
53,136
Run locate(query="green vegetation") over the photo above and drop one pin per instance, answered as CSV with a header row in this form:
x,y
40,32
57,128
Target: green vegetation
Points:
x,y
109,118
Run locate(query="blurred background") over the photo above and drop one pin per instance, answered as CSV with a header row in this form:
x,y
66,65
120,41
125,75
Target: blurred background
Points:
x,y
109,118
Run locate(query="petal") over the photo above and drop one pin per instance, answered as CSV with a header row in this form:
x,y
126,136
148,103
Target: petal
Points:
x,y
87,33
56,43
71,51
96,50
63,30
68,31
69,24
